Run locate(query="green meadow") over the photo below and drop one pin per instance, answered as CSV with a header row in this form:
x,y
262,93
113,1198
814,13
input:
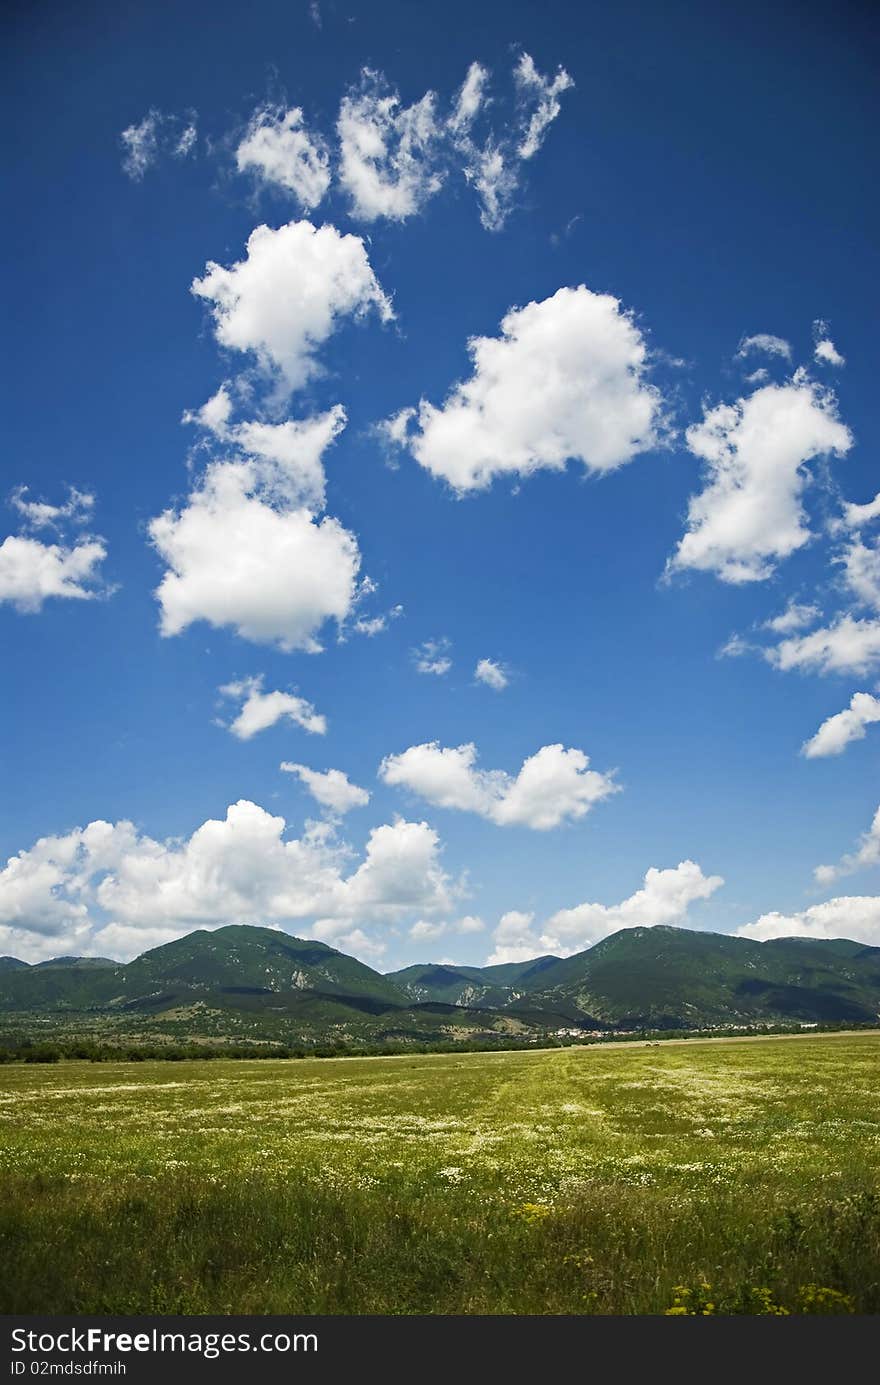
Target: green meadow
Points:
x,y
725,1177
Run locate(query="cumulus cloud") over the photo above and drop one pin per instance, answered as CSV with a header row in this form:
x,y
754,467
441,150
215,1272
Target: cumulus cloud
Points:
x,y
514,939
493,674
796,616
331,788
278,149
425,931
838,731
432,657
861,571
749,515
38,514
374,625
565,380
824,350
247,550
552,786
32,572
867,853
765,343
286,459
848,645
288,295
664,898
389,154
855,516
259,710
110,888
856,917
145,141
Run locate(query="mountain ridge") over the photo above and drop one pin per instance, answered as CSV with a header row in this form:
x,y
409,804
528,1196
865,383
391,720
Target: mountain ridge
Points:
x,y
245,980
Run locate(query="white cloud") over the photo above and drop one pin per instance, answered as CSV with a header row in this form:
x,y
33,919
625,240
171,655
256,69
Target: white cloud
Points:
x,y
564,381
552,786
849,645
493,674
664,898
374,625
426,932
287,458
37,514
866,854
469,99
185,142
393,158
838,731
861,565
736,647
261,710
854,516
766,344
514,939
389,153
494,175
545,93
493,166
331,788
141,145
109,888
214,414
287,296
749,516
280,150
401,874
393,432
32,572
145,141
856,917
469,923
796,616
432,656
824,351
239,555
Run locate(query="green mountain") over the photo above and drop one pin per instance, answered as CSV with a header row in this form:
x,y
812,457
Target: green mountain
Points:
x,y
480,987
251,983
240,982
674,978
665,976
72,962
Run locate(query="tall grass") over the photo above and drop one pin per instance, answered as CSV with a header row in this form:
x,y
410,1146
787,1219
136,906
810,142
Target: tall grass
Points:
x,y
734,1179
261,1247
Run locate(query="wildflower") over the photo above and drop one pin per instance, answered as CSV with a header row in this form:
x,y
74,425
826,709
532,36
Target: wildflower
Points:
x,y
532,1213
814,1298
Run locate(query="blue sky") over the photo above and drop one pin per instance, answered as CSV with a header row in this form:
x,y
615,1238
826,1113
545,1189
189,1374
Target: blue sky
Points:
x,y
672,212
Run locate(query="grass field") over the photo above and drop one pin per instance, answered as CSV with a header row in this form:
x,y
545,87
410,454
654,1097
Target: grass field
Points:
x,y
707,1177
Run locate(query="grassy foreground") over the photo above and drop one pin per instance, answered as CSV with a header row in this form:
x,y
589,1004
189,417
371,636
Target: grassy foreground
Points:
x,y
734,1177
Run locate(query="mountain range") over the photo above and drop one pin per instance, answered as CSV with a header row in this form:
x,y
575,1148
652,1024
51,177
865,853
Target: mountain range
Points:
x,y
245,982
